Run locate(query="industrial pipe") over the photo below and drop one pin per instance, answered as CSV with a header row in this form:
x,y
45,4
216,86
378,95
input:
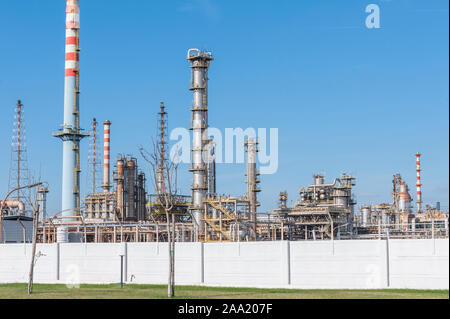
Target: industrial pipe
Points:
x,y
13,204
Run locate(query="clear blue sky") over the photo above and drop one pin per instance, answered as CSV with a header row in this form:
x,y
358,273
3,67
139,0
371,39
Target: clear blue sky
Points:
x,y
345,98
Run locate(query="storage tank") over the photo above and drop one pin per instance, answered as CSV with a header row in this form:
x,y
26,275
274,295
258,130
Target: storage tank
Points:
x,y
404,198
130,189
319,179
340,197
120,185
365,216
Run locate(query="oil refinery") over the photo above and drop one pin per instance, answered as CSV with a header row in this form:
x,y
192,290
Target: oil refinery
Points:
x,y
131,206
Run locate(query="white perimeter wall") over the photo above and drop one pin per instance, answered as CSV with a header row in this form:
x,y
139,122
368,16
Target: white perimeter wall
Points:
x,y
365,264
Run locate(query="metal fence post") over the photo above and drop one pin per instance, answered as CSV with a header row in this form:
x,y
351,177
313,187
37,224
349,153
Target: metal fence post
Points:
x,y
57,260
121,271
387,258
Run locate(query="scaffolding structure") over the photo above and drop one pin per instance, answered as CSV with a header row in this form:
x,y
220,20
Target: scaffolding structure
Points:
x,y
83,230
226,219
180,208
100,205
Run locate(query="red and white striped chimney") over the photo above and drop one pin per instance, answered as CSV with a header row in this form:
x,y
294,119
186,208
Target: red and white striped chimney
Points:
x,y
106,148
418,184
72,37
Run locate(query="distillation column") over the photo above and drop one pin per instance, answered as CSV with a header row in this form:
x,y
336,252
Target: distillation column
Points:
x,y
199,85
418,184
120,176
70,132
404,204
42,199
94,155
252,182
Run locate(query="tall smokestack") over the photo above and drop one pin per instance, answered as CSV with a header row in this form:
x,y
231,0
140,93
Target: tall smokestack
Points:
x,y
418,184
70,132
106,139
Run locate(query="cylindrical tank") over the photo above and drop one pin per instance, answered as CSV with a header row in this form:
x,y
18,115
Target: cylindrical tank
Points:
x,y
340,197
141,196
130,186
120,181
404,198
318,179
62,234
365,215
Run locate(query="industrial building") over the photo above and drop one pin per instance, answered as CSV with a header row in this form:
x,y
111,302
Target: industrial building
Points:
x,y
322,211
16,229
125,211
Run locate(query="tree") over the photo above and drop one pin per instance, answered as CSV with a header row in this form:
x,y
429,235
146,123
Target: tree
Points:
x,y
35,208
164,177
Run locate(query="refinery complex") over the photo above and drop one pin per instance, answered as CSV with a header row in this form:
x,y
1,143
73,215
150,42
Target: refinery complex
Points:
x,y
131,208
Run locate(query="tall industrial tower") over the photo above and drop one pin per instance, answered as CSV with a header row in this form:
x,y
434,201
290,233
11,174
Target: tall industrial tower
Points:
x,y
93,159
70,134
161,152
106,156
418,184
199,86
18,170
252,181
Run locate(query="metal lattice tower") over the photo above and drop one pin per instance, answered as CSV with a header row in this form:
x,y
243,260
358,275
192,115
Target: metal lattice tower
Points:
x,y
93,159
162,143
18,170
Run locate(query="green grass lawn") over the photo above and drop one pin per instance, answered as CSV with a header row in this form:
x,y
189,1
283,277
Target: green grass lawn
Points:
x,y
18,291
